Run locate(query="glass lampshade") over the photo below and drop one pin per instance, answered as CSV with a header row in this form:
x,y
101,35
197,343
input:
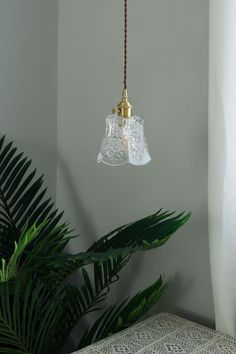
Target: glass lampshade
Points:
x,y
124,142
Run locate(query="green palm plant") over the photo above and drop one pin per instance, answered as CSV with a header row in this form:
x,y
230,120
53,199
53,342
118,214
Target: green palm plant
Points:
x,y
38,310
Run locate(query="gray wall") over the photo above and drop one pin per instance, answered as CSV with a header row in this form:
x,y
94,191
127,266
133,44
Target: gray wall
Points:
x,y
168,70
28,80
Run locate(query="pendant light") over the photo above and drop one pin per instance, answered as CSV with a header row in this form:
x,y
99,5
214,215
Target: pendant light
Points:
x,y
124,140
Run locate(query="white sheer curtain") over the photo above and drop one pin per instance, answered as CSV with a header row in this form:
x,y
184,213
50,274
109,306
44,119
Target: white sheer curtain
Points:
x,y
222,161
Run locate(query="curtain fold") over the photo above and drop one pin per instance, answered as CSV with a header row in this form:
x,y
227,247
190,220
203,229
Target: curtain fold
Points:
x,y
222,161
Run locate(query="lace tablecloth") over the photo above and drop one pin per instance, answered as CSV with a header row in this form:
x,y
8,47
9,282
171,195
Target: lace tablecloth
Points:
x,y
164,333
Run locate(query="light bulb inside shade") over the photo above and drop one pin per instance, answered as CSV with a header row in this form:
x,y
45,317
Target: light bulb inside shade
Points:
x,y
124,142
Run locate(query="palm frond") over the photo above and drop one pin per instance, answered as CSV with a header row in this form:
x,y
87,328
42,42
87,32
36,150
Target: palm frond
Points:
x,y
121,316
142,235
83,299
90,295
79,301
37,312
10,268
28,317
154,228
22,200
6,245
106,273
22,260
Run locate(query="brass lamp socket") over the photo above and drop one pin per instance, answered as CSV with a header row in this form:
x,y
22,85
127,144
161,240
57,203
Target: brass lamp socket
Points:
x,y
124,108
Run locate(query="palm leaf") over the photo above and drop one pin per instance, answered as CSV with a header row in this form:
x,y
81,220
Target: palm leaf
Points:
x,y
28,317
108,263
156,227
121,316
106,273
22,260
82,300
37,311
11,268
151,232
78,301
22,202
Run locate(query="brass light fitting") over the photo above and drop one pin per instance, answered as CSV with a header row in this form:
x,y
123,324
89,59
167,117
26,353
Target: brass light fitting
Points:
x,y
124,108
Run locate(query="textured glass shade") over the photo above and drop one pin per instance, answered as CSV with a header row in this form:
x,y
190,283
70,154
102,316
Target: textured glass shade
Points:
x,y
124,142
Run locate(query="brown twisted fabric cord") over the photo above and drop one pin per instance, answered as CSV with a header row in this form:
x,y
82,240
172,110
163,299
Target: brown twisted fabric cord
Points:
x,y
125,41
